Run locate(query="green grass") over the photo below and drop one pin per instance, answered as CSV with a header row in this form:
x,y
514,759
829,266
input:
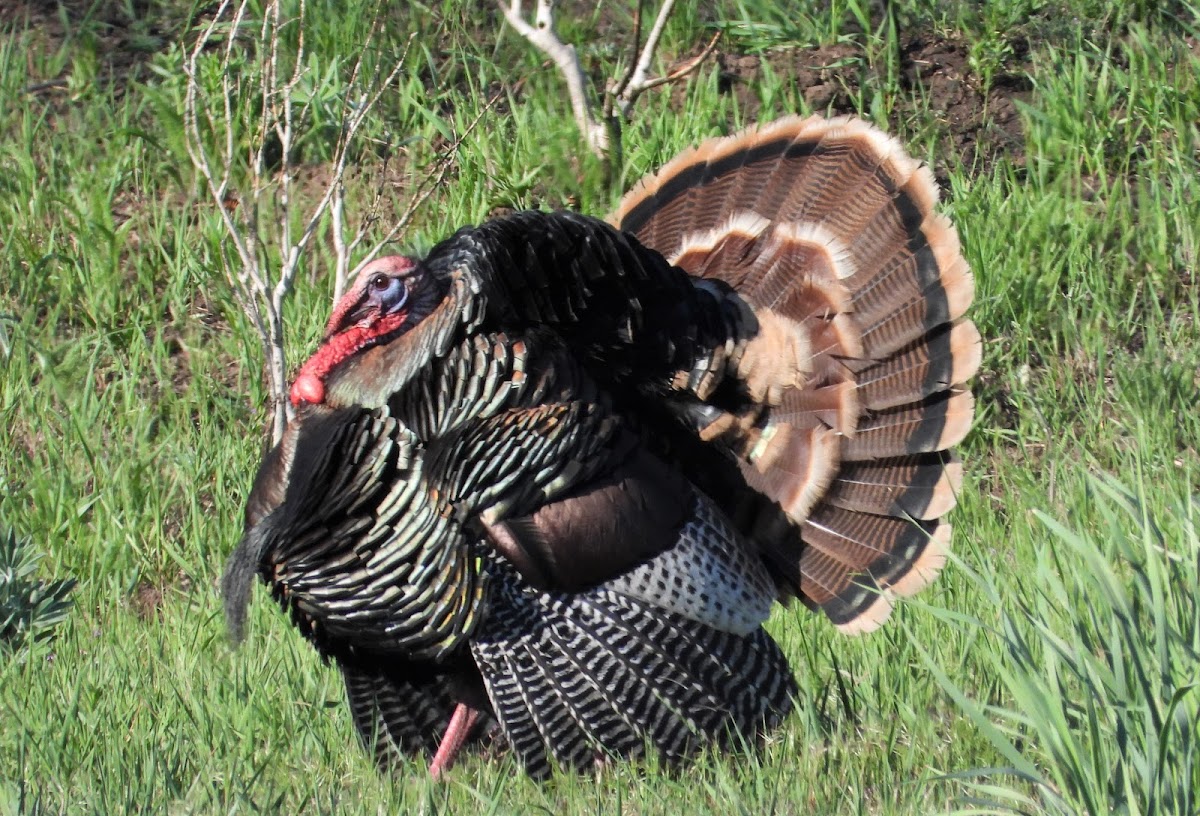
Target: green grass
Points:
x,y
1062,646
1099,658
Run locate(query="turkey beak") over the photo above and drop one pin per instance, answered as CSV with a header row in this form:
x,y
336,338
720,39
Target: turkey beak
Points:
x,y
364,314
361,313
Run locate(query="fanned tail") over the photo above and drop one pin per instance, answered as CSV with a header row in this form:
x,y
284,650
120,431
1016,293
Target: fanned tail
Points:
x,y
843,407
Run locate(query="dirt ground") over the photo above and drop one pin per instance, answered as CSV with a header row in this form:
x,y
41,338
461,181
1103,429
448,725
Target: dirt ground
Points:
x,y
124,35
980,124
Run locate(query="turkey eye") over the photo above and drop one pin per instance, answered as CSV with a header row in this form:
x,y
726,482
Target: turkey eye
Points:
x,y
390,293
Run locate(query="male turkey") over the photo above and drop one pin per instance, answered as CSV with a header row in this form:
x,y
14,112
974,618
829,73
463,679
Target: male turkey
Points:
x,y
547,482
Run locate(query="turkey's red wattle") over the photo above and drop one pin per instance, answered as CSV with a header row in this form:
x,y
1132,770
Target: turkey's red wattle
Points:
x,y
309,385
307,388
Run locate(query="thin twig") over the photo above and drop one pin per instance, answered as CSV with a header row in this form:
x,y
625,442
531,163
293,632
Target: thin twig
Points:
x,y
637,80
624,81
427,188
342,249
679,73
47,85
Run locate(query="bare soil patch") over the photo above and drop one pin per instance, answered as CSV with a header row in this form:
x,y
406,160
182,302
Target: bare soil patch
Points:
x,y
979,121
982,121
123,35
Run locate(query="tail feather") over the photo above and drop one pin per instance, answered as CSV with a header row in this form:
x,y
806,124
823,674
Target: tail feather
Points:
x,y
947,356
861,603
862,542
855,373
726,246
732,173
852,159
795,467
923,487
923,569
912,291
831,406
934,424
856,563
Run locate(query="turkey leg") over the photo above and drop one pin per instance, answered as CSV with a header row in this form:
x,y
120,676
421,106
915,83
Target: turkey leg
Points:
x,y
461,722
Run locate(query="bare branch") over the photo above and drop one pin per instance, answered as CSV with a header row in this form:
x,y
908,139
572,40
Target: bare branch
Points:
x,y
341,252
634,90
615,91
248,283
632,87
542,36
602,130
353,117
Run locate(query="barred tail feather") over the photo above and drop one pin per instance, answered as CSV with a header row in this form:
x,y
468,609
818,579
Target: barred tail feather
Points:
x,y
924,486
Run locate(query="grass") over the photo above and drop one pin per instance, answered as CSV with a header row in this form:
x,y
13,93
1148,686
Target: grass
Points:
x,y
1060,648
1099,659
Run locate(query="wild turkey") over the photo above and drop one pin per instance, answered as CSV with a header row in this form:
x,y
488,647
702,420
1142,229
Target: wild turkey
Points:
x,y
548,481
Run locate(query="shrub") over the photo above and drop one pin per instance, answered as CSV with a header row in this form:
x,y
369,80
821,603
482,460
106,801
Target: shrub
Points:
x,y
29,607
